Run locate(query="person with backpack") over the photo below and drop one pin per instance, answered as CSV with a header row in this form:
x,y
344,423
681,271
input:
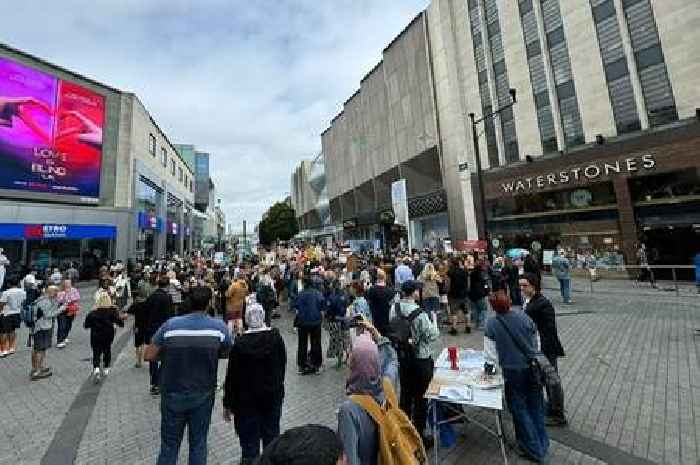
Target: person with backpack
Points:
x,y
11,303
44,312
413,332
101,322
370,421
509,344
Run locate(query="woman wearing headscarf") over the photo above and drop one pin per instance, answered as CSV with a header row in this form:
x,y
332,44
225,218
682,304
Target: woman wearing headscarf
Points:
x,y
254,387
373,358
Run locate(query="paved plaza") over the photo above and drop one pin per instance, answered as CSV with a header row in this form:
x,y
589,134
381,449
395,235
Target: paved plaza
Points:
x,y
631,379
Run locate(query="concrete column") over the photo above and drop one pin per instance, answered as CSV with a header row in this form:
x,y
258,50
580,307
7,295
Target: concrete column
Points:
x,y
628,225
549,73
632,65
181,231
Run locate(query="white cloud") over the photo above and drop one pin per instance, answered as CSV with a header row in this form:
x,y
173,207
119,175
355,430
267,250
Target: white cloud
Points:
x,y
253,83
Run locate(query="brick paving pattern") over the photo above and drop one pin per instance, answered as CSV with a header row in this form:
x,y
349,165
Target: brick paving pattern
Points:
x,y
631,378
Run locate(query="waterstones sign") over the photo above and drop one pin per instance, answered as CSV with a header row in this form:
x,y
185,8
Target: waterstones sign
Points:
x,y
589,172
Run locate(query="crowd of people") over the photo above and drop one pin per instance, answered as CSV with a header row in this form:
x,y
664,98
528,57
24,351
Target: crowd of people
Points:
x,y
383,316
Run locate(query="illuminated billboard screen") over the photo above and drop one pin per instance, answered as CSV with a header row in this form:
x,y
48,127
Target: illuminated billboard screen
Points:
x,y
50,133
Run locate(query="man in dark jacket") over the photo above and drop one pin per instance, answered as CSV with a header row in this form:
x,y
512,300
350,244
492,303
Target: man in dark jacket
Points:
x,y
380,297
158,308
310,305
254,387
457,294
541,311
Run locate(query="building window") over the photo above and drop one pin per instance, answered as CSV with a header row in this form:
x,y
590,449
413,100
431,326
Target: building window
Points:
x,y
186,183
563,79
538,77
152,144
653,76
164,156
172,167
180,173
191,186
615,66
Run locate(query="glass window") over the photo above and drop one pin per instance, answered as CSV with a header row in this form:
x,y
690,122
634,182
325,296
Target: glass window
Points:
x,y
542,99
499,67
525,7
179,173
566,90
616,69
493,28
649,57
604,11
628,3
533,49
555,37
163,156
152,144
147,197
666,186
172,167
483,77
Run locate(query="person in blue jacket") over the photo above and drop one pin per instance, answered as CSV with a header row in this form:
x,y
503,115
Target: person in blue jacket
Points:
x,y
310,304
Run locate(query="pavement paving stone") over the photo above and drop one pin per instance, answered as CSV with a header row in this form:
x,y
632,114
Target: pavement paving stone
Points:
x,y
631,379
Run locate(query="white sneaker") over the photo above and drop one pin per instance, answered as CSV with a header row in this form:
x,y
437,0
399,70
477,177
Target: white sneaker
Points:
x,y
96,375
11,351
66,341
60,345
105,372
3,354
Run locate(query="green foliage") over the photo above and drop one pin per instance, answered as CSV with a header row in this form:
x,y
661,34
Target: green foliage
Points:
x,y
279,224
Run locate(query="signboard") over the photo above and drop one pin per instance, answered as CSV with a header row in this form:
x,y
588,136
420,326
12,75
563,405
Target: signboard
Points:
x,y
172,228
547,257
147,221
399,202
50,133
471,245
56,231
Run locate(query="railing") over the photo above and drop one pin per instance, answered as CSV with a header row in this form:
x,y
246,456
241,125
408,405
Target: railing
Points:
x,y
604,278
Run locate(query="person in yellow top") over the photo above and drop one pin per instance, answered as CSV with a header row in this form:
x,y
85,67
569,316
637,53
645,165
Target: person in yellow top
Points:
x,y
235,304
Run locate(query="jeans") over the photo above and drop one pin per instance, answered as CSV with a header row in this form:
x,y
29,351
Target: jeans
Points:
x,y
154,371
526,405
256,427
65,323
415,378
479,313
555,394
565,288
309,334
180,409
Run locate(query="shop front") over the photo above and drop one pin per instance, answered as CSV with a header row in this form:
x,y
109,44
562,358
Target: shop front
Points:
x,y
604,200
44,246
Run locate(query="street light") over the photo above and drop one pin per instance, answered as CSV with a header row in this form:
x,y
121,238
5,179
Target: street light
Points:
x,y
479,176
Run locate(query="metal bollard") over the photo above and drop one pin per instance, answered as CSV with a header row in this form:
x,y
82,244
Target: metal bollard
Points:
x,y
675,281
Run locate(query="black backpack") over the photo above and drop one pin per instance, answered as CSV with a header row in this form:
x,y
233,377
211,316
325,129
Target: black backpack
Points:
x,y
401,334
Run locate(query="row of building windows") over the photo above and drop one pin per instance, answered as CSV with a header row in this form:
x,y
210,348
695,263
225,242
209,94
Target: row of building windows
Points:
x,y
549,64
182,177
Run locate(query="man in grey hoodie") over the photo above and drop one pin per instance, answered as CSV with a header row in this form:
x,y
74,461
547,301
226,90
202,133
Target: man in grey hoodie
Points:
x,y
47,309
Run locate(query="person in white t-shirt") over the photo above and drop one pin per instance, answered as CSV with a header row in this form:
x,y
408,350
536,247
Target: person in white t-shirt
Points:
x,y
11,303
4,261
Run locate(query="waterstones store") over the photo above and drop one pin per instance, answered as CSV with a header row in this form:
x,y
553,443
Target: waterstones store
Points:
x,y
604,199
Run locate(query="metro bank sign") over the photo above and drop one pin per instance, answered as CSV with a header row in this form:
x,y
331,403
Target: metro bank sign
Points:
x,y
588,172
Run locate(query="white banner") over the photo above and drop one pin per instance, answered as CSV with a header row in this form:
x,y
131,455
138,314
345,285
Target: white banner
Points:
x,y
399,202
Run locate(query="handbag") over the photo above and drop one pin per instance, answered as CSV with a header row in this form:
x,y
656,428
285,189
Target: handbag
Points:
x,y
72,308
533,361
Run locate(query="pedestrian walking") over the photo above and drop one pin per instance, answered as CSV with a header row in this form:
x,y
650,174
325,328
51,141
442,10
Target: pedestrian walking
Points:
x,y
46,309
69,298
101,322
478,291
380,298
4,262
254,386
541,312
189,348
523,393
337,302
457,295
235,303
159,308
562,271
310,307
431,288
11,303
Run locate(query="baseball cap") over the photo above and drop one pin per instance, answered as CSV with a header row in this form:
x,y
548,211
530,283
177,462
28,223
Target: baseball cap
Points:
x,y
411,286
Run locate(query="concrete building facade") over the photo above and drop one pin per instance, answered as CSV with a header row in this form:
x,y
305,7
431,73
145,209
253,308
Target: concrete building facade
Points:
x,y
146,190
592,78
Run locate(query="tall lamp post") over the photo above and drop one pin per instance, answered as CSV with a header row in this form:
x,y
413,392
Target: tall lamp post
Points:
x,y
479,174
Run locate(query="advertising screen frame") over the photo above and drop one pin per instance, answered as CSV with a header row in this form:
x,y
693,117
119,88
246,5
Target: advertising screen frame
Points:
x,y
86,192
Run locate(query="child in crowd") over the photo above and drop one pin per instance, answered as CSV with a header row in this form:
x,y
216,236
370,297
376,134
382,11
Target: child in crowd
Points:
x,y
100,322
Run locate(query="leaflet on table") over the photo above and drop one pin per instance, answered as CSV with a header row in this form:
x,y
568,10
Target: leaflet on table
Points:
x,y
463,393
468,377
468,358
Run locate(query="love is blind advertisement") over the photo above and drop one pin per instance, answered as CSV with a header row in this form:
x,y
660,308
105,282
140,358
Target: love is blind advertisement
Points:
x,y
50,133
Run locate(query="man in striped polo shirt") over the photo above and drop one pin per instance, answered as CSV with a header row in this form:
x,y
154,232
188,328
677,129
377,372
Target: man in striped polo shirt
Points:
x,y
189,348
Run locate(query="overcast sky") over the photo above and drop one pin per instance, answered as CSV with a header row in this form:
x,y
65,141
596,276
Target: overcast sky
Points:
x,y
252,82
